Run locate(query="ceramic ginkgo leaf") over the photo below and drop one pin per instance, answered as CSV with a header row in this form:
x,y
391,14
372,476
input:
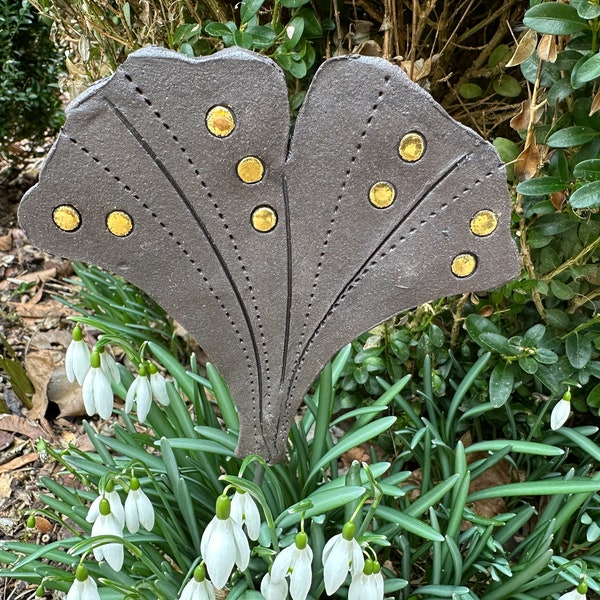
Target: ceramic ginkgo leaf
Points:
x,y
179,174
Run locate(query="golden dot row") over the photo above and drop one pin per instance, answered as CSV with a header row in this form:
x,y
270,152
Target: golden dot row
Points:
x,y
67,218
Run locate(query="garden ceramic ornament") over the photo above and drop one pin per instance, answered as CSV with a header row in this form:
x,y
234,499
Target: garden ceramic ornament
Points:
x,y
179,174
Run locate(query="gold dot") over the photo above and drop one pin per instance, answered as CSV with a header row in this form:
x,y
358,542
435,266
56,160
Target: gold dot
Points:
x,y
66,217
250,169
119,223
484,223
382,194
463,265
220,121
412,147
264,219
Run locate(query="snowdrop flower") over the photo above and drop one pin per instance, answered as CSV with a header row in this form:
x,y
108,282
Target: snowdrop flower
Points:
x,y
224,544
140,392
138,508
77,359
561,411
107,524
158,385
341,554
579,593
198,587
109,365
96,391
84,587
273,589
295,561
367,585
245,512
114,501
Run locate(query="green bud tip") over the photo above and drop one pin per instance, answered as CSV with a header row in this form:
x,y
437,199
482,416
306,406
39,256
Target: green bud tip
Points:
x,y
143,371
134,484
104,507
99,349
368,569
30,522
582,588
301,540
77,334
567,395
152,370
376,567
81,572
110,486
40,592
223,507
95,359
348,531
199,573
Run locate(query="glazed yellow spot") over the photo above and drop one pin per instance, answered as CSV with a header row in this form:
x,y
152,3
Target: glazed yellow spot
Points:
x,y
66,217
250,169
463,265
412,147
264,219
382,194
220,121
119,223
484,223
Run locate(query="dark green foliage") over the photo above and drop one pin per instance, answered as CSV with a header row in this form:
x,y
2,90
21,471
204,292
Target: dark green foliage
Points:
x,y
30,105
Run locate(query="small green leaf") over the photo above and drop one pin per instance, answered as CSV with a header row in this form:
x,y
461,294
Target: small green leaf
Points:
x,y
593,398
541,186
507,149
561,290
501,384
571,136
587,196
590,69
217,29
470,91
579,350
293,3
498,54
496,343
507,86
248,9
554,18
545,356
528,364
588,170
587,10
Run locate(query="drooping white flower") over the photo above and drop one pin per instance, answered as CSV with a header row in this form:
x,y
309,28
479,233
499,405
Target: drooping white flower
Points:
x,y
158,385
341,554
114,500
295,561
368,584
273,589
245,512
140,392
77,359
198,587
138,508
84,587
109,365
96,391
107,524
579,593
560,412
224,544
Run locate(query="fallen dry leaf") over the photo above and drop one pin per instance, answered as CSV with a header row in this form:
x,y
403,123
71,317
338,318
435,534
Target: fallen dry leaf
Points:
x,y
525,48
528,162
37,276
28,428
5,487
42,524
595,104
39,366
520,121
66,395
547,48
17,463
48,308
5,242
6,439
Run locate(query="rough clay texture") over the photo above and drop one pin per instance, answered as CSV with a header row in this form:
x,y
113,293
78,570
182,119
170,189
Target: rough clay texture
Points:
x,y
272,307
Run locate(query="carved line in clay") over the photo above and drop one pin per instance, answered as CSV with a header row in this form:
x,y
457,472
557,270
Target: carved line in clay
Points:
x,y
339,199
180,245
250,289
